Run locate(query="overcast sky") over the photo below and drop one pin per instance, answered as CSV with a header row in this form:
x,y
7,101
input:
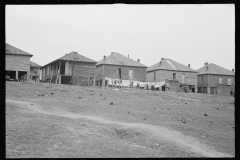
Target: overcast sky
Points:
x,y
188,34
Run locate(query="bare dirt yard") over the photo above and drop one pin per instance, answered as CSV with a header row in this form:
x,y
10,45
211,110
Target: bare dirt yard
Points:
x,y
65,121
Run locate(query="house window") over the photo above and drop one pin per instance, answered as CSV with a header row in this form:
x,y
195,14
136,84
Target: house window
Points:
x,y
131,74
201,79
174,75
154,75
229,81
220,80
183,78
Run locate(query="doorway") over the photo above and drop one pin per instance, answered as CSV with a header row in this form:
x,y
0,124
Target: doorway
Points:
x,y
119,73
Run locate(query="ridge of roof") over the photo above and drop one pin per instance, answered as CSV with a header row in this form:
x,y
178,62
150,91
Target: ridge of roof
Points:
x,y
214,69
120,60
169,64
9,49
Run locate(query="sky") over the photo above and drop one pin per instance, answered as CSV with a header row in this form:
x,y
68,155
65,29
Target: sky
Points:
x,y
189,34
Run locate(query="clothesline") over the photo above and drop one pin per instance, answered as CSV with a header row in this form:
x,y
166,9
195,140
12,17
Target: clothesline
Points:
x,y
127,83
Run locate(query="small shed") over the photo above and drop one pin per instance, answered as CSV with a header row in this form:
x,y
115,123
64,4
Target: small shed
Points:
x,y
172,85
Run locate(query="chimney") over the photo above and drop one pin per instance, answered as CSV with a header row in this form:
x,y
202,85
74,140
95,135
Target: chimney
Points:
x,y
112,52
233,70
206,63
104,58
138,60
128,55
162,59
188,65
160,63
207,68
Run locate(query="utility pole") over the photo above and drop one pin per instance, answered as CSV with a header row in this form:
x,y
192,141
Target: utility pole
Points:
x,y
73,68
88,76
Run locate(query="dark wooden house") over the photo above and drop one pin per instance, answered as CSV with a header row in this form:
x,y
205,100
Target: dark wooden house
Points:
x,y
72,68
213,79
17,63
119,67
170,71
34,71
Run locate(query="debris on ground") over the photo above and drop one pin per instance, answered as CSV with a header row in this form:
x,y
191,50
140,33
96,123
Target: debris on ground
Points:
x,y
79,97
144,118
111,103
128,112
205,114
52,93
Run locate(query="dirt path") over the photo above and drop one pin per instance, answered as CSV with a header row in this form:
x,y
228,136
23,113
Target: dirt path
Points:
x,y
158,132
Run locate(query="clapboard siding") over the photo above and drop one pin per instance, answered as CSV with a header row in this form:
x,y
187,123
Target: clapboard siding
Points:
x,y
17,62
162,75
81,69
112,71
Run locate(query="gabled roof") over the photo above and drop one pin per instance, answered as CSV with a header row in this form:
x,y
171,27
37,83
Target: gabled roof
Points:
x,y
32,64
214,69
168,64
120,60
13,50
73,56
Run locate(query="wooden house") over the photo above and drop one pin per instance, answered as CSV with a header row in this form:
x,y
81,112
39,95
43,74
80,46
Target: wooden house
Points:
x,y
213,79
17,63
34,71
71,68
119,67
169,71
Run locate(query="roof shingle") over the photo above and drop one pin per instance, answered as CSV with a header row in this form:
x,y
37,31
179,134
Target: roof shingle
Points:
x,y
118,59
214,69
168,64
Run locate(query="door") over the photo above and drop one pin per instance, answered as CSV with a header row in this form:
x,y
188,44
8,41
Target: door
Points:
x,y
119,73
130,73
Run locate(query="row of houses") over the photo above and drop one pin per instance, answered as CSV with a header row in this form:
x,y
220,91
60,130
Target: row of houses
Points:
x,y
77,69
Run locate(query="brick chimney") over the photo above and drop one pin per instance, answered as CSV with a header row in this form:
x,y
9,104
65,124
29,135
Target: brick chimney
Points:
x,y
138,60
104,58
162,59
207,68
188,65
112,52
206,63
233,70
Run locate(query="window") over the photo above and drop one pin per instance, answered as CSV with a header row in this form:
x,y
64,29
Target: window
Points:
x,y
154,75
174,75
131,74
229,81
201,79
183,78
220,80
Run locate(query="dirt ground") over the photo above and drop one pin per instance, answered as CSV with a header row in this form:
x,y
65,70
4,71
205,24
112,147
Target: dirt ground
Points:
x,y
64,121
